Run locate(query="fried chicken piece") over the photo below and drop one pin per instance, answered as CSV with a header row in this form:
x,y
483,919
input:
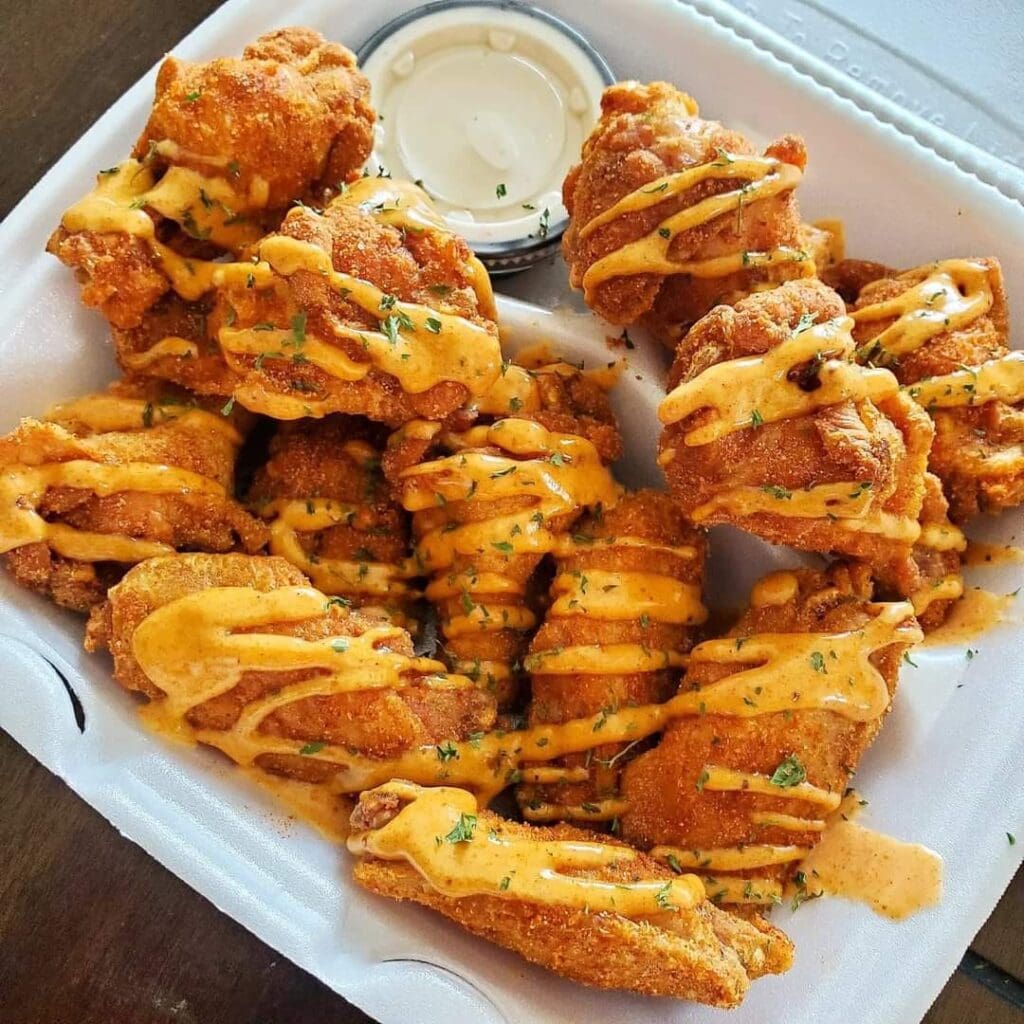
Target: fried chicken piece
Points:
x,y
644,930
626,596
110,479
932,580
773,428
229,144
370,307
943,329
490,501
174,341
741,796
277,675
330,514
672,214
293,113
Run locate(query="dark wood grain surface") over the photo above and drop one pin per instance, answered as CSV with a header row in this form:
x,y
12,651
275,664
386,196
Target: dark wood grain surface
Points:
x,y
92,931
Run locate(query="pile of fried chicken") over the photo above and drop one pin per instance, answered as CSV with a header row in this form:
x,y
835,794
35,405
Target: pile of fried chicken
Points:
x,y
317,459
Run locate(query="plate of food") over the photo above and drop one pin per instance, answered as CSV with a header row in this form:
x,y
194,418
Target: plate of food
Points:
x,y
491,483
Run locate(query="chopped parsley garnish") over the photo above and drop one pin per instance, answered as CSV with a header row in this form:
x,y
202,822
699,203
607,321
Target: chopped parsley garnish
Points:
x,y
817,660
789,773
312,748
702,780
463,830
500,191
661,898
191,97
504,546
446,751
228,406
907,658
655,188
665,232
723,157
805,322
390,328
433,325
756,419
299,329
777,492
673,863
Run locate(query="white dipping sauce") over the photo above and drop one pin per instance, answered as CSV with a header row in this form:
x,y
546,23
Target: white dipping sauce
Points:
x,y
486,108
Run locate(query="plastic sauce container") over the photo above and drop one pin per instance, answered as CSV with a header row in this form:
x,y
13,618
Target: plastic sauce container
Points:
x,y
486,105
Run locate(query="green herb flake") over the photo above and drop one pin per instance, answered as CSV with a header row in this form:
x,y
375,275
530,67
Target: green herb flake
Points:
x,y
446,751
463,830
789,773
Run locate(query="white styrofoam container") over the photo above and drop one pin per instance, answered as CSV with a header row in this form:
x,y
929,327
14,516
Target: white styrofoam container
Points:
x,y
946,770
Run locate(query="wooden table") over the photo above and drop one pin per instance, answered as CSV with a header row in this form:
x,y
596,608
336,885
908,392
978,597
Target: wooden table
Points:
x,y
92,931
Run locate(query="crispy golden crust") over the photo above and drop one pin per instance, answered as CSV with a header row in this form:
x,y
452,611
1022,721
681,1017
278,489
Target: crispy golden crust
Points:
x,y
190,520
645,132
667,803
427,267
883,445
284,122
573,403
570,403
380,723
703,954
337,458
117,273
647,516
292,112
973,444
205,373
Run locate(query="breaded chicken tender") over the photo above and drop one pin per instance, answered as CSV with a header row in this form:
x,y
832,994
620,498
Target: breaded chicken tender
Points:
x,y
488,503
229,144
943,330
626,598
596,912
277,674
741,796
672,214
771,427
110,479
370,307
324,497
